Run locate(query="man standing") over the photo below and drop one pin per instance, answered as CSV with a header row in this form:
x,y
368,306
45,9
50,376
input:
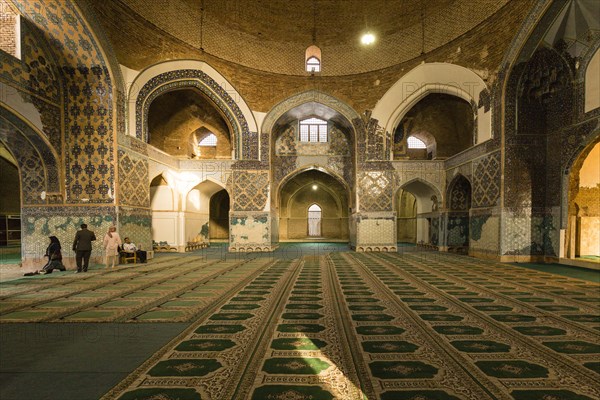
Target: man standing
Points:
x,y
82,246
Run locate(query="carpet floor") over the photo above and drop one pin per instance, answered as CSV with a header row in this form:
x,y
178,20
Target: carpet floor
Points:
x,y
416,326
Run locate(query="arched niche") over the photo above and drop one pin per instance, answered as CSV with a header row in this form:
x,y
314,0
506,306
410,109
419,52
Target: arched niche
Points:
x,y
592,83
180,118
458,199
443,122
442,78
427,201
299,191
202,210
583,229
164,207
290,154
162,196
406,217
169,75
220,204
10,206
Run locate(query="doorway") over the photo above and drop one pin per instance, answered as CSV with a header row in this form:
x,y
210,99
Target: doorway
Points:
x,y
314,221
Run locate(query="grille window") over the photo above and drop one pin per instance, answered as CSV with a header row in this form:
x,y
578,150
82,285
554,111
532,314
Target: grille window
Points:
x,y
313,130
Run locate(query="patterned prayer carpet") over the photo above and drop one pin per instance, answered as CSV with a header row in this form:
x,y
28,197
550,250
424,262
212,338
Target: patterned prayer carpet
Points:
x,y
417,326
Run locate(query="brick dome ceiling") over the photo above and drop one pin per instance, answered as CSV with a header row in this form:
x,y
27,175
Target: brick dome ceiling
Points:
x,y
272,35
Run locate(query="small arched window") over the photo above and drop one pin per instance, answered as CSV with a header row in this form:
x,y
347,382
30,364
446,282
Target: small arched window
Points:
x,y
313,59
210,140
414,143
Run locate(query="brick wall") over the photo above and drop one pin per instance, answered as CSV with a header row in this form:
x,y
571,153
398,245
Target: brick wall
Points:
x,y
8,29
481,49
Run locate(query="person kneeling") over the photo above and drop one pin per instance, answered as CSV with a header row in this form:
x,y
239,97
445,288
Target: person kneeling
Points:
x,y
129,247
54,257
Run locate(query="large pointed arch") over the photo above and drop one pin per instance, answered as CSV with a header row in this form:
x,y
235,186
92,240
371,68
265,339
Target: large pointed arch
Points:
x,y
436,78
38,162
172,75
310,96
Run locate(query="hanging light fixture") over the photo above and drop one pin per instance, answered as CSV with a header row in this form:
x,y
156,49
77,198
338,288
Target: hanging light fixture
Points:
x,y
368,37
422,28
313,53
202,26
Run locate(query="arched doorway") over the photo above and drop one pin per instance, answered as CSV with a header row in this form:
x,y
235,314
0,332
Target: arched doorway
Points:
x,y
314,221
427,216
313,204
457,224
207,213
10,208
219,216
163,203
406,217
583,230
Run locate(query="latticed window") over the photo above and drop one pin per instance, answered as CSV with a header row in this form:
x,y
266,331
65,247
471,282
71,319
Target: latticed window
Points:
x,y
313,130
210,140
414,143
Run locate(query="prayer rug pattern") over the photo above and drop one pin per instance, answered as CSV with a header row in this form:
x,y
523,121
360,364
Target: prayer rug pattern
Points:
x,y
345,326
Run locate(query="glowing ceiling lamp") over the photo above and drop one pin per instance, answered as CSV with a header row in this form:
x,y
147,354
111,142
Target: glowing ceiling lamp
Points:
x,y
367,39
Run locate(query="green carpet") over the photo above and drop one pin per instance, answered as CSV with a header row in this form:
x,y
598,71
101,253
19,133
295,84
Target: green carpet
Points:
x,y
559,269
386,326
337,325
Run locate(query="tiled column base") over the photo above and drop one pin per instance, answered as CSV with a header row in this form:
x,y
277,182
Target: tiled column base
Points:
x,y
374,231
250,231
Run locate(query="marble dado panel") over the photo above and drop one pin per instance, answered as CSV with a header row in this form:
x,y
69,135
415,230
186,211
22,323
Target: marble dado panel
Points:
x,y
250,232
62,221
136,223
375,231
484,233
529,232
134,188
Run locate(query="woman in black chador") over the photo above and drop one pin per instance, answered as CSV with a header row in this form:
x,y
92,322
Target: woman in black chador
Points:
x,y
54,257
